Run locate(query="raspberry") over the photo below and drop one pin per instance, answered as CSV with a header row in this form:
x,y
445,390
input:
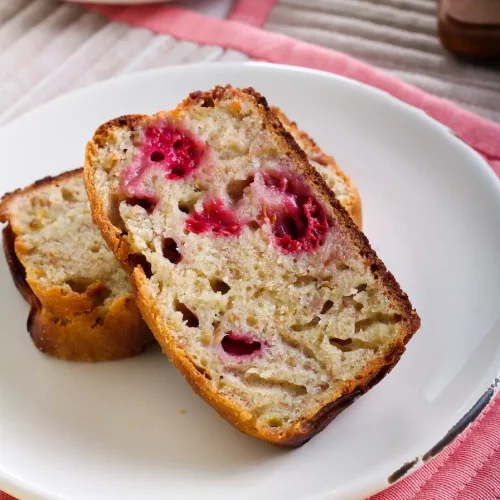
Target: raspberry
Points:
x,y
214,218
176,152
299,222
238,344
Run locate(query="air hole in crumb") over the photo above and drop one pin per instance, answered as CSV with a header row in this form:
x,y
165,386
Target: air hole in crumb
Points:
x,y
381,318
253,225
219,286
340,342
148,204
98,322
362,288
170,250
274,421
341,266
348,301
208,102
305,280
100,296
137,259
95,247
321,388
203,372
79,285
251,321
311,324
67,194
187,315
114,214
60,321
215,325
349,345
184,207
157,156
187,206
327,306
236,187
199,187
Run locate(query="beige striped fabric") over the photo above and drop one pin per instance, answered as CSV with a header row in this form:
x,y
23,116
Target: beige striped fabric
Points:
x,y
48,47
398,36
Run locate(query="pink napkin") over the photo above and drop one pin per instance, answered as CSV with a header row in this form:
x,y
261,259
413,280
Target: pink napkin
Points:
x,y
235,33
469,469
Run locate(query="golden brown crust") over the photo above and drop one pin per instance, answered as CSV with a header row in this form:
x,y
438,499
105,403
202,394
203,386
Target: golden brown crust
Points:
x,y
244,421
353,203
16,269
46,181
73,328
120,334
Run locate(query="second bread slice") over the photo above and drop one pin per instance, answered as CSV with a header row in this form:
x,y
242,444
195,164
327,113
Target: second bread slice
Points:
x,y
82,307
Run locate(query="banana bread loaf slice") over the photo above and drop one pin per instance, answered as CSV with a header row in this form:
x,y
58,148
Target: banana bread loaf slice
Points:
x,y
253,278
81,300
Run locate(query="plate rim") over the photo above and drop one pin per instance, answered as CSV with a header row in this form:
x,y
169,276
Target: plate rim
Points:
x,y
373,483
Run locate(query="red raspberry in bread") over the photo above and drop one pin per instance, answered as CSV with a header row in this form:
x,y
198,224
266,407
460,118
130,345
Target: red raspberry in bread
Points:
x,y
298,221
241,344
268,299
215,218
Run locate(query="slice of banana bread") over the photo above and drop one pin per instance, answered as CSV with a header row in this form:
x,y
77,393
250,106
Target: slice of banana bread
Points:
x,y
81,300
255,281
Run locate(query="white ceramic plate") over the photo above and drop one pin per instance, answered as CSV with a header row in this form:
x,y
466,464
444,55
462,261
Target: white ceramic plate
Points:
x,y
432,211
126,2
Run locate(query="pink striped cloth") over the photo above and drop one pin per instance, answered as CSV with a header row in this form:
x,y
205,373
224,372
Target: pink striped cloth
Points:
x,y
468,469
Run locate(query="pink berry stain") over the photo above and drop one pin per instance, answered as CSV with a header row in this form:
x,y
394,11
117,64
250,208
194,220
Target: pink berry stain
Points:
x,y
240,344
215,218
167,147
298,220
